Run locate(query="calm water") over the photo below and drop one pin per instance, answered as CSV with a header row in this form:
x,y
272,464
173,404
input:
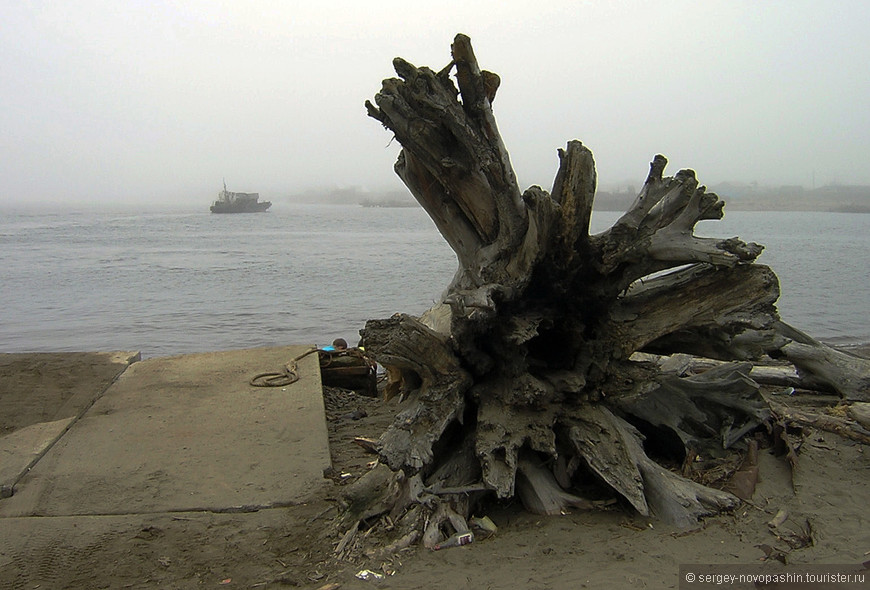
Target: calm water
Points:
x,y
172,283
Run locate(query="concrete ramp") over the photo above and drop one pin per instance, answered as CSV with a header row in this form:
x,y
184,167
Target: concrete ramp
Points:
x,y
41,395
187,433
21,450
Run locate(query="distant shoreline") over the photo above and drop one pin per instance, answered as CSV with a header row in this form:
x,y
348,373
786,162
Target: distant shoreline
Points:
x,y
827,199
737,197
763,207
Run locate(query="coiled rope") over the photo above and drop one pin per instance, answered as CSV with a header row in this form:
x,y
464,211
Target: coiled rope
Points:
x,y
290,375
285,377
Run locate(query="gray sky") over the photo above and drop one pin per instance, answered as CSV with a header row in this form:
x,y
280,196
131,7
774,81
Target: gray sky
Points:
x,y
158,101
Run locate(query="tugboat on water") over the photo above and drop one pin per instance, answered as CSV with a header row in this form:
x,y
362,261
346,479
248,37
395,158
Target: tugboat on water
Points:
x,y
229,202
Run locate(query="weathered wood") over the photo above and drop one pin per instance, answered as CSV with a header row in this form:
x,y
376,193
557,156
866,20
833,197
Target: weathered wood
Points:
x,y
845,428
743,481
454,162
426,360
506,423
817,366
707,412
539,491
521,378
778,373
373,494
674,499
597,436
844,373
860,412
718,301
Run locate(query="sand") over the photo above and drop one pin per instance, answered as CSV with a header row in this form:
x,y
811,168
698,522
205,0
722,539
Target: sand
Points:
x,y
826,499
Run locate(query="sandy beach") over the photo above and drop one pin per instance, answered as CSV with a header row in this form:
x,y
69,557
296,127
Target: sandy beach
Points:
x,y
822,502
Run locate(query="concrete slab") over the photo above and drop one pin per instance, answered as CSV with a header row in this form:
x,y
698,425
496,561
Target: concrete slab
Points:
x,y
187,433
21,450
48,386
41,395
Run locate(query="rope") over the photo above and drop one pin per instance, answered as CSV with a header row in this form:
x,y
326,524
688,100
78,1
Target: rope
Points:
x,y
290,375
287,376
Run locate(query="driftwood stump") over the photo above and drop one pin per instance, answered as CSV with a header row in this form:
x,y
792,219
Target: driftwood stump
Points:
x,y
521,380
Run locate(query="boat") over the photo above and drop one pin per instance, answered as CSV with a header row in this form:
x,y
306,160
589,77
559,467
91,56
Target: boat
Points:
x,y
230,202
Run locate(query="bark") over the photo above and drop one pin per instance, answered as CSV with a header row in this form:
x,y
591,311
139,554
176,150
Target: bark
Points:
x,y
522,379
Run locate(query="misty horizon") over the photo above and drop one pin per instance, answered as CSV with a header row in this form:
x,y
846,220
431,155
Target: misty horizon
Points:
x,y
130,103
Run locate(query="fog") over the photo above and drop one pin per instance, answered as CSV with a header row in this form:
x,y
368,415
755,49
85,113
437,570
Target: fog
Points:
x,y
142,102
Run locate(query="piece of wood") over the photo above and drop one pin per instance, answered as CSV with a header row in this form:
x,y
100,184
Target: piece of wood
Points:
x,y
707,412
407,344
845,428
539,491
844,373
674,499
860,412
597,436
742,483
528,356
